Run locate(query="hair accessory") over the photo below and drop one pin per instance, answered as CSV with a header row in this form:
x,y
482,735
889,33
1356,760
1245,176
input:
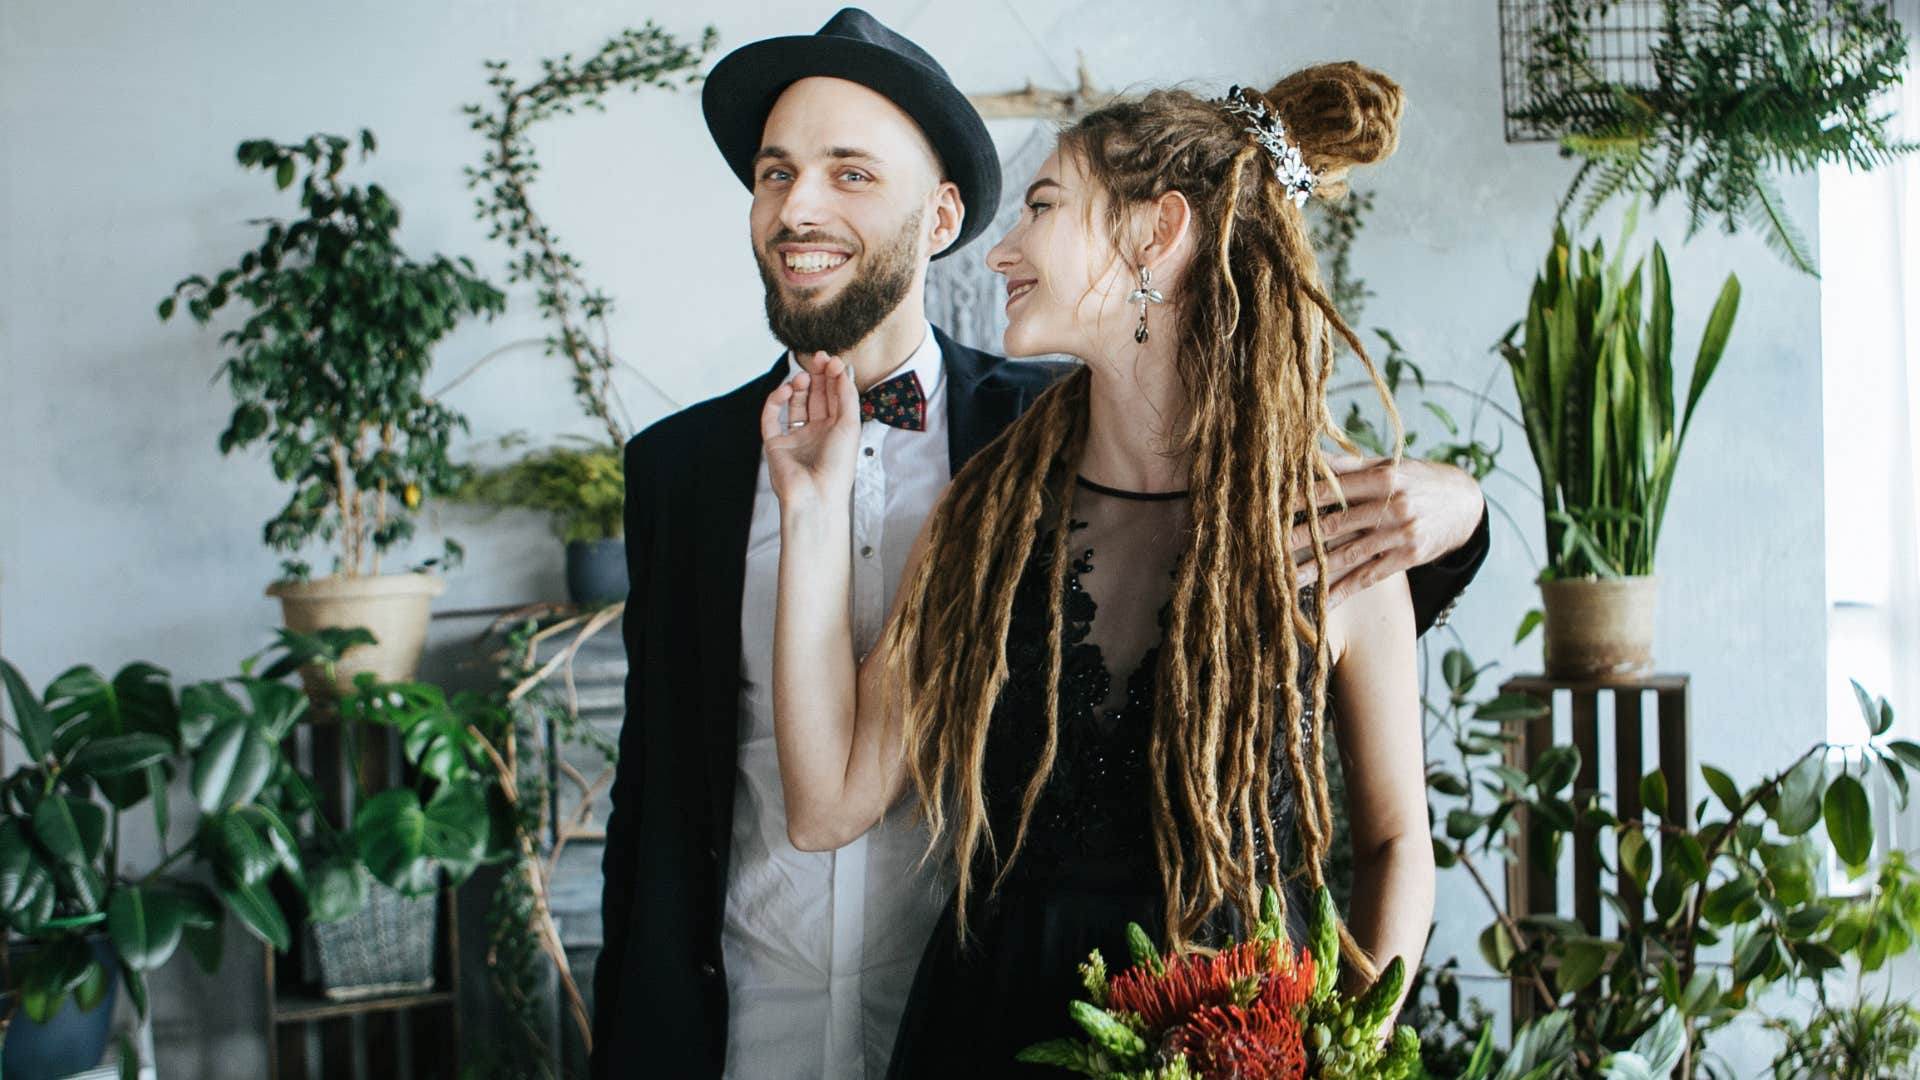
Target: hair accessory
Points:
x,y
1296,179
1144,295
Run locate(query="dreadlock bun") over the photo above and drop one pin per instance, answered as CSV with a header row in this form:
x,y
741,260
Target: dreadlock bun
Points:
x,y
1340,115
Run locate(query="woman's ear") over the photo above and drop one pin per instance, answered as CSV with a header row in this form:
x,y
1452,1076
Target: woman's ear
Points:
x,y
1169,223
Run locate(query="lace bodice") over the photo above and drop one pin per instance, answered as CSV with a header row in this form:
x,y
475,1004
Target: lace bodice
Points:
x,y
1095,807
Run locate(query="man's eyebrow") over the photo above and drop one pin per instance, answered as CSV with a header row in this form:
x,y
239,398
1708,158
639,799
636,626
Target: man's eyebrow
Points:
x,y
1045,181
838,153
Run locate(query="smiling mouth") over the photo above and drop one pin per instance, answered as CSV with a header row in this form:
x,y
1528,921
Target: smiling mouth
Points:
x,y
1015,292
810,263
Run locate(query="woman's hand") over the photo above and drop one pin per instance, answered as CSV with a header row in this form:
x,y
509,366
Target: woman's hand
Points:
x,y
811,455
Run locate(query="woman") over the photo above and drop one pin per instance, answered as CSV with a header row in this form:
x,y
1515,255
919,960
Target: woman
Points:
x,y
1101,675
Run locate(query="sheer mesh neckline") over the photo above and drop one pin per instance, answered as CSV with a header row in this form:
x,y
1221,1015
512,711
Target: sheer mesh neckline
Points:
x,y
1144,496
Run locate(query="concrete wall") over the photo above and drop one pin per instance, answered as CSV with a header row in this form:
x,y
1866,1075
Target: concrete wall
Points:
x,y
124,534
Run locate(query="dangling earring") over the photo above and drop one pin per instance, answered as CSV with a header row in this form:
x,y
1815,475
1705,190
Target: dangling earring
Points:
x,y
1144,295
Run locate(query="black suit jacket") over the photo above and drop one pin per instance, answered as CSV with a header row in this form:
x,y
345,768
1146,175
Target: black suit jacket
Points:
x,y
659,994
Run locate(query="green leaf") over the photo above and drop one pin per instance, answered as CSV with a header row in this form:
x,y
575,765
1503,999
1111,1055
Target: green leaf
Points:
x,y
136,985
254,906
1636,857
1869,710
1796,804
1544,1042
1447,783
1849,822
1653,793
1723,787
145,925
232,766
1753,957
1457,668
1580,965
1724,903
230,844
205,945
336,890
1907,752
72,830
1663,1044
36,726
283,173
1462,823
26,885
1496,947
1528,623
92,989
119,754
1556,769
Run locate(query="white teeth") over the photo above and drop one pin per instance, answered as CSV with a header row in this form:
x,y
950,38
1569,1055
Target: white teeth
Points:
x,y
808,262
1019,291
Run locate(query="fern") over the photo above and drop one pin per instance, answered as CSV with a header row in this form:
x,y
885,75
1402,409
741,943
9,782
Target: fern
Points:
x,y
1741,91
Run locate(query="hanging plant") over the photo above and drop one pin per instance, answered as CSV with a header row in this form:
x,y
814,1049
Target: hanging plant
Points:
x,y
1742,90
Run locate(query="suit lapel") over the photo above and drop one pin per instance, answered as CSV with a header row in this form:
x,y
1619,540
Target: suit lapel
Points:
x,y
724,478
978,407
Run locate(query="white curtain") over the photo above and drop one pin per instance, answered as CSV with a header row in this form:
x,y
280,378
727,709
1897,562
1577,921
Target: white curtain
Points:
x,y
1870,265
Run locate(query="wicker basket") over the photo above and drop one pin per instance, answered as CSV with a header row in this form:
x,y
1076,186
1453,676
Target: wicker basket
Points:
x,y
384,948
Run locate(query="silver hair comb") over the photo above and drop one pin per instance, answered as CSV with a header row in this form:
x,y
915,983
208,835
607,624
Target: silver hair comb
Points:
x,y
1296,179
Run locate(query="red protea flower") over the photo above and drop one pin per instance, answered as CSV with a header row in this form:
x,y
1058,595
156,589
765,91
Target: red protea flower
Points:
x,y
1190,982
1259,1042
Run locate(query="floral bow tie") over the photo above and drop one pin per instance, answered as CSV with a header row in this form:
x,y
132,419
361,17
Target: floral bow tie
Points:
x,y
897,402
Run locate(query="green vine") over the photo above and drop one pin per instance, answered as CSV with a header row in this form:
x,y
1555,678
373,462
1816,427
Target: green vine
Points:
x,y
633,59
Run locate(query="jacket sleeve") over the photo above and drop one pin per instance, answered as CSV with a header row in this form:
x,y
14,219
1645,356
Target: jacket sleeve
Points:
x,y
619,862
1436,586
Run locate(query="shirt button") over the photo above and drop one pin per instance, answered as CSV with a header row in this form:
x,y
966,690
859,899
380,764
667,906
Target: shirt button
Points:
x,y
709,970
869,451
866,552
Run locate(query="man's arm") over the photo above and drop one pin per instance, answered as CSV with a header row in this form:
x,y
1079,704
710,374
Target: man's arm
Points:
x,y
1423,518
618,864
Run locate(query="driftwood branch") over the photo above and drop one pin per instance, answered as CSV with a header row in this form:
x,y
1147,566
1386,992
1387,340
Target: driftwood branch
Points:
x,y
1033,103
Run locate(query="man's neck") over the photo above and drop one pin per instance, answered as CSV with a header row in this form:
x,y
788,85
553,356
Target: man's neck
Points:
x,y
891,343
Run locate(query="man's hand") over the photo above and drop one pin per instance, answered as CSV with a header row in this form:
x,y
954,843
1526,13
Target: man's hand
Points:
x,y
1396,519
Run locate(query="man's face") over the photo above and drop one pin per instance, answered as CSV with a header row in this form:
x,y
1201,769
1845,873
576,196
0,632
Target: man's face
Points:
x,y
848,206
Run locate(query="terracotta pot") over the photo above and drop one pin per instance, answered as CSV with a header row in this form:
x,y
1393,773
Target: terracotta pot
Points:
x,y
395,607
1599,627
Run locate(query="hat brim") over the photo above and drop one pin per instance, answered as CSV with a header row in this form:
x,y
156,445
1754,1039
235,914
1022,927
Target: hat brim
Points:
x,y
741,90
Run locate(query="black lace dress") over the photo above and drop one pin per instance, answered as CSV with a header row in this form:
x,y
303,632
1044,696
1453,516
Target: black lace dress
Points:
x,y
1087,867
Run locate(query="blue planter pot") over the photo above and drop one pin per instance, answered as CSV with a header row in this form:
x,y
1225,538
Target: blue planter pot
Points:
x,y
597,571
72,1041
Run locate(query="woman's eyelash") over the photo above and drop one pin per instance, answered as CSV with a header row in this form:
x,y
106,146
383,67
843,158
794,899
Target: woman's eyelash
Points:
x,y
1039,207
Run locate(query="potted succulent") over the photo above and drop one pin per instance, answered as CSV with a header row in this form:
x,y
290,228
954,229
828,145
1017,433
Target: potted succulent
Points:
x,y
1593,370
328,372
580,486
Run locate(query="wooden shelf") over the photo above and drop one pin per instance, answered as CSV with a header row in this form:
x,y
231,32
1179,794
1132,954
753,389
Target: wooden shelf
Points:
x,y
299,1009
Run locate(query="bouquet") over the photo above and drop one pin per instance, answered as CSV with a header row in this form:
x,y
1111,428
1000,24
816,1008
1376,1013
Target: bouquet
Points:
x,y
1260,1009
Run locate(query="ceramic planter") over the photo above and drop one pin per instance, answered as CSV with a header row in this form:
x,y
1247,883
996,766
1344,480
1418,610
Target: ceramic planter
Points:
x,y
1598,628
395,607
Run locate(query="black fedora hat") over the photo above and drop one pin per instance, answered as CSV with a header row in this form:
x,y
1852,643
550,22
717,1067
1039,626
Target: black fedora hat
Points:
x,y
853,45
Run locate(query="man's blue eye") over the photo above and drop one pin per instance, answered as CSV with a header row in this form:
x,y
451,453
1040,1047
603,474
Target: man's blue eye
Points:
x,y
855,173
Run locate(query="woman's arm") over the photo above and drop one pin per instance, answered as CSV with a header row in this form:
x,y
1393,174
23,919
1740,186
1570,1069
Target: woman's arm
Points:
x,y
1376,685
837,739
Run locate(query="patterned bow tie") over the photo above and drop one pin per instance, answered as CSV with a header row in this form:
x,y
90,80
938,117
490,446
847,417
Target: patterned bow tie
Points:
x,y
897,402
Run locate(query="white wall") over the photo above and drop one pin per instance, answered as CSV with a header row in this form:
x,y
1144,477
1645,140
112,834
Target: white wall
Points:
x,y
124,534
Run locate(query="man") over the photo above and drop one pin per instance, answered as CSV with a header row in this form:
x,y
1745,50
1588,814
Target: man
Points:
x,y
726,950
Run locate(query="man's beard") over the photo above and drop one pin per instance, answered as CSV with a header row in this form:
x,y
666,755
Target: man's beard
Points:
x,y
836,325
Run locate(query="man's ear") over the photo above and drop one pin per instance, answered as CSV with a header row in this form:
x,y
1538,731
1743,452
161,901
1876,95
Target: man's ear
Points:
x,y
946,213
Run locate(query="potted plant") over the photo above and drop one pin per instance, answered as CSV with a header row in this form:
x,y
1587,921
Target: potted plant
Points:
x,y
384,866
328,371
580,485
1593,371
97,750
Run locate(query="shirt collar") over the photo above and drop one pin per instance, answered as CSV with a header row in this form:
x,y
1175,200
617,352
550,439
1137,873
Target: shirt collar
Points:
x,y
925,361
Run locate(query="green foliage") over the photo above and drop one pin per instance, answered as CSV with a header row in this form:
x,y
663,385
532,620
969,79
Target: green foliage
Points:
x,y
1862,1041
327,370
102,748
1741,867
633,59
1593,371
582,488
1742,90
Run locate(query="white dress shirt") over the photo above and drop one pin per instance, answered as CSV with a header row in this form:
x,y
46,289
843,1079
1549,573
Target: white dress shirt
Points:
x,y
821,947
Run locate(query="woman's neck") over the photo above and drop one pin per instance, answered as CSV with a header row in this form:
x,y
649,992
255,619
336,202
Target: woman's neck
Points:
x,y
1134,402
